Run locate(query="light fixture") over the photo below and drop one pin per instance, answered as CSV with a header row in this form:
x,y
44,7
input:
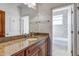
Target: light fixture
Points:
x,y
30,5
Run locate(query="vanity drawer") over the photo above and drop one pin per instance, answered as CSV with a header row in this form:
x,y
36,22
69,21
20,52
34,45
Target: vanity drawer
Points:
x,y
30,50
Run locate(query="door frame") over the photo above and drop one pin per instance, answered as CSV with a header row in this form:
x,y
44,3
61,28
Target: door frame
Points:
x,y
74,18
72,45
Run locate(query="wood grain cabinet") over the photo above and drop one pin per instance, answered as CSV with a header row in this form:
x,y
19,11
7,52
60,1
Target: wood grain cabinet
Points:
x,y
35,52
37,49
42,47
2,23
19,53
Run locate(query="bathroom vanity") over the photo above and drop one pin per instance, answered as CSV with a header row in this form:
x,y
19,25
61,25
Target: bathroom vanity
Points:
x,y
38,45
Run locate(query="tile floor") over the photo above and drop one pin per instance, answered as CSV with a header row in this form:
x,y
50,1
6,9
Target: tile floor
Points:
x,y
58,51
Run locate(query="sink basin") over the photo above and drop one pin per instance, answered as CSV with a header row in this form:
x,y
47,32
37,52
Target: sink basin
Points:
x,y
31,40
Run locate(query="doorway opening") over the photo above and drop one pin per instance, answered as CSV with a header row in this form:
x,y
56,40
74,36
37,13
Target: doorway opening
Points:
x,y
62,43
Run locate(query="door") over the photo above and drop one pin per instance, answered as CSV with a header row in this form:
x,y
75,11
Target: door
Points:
x,y
58,19
2,23
25,25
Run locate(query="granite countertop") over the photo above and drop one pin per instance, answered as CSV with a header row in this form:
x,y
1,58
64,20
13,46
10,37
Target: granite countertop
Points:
x,y
10,47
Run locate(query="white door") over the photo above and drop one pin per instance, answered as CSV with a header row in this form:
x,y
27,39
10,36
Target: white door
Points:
x,y
69,23
25,25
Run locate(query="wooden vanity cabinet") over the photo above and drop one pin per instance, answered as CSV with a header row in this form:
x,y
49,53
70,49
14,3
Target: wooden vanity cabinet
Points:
x,y
44,48
37,49
34,52
19,53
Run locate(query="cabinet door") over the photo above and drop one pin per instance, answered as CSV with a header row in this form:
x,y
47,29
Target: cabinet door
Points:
x,y
30,50
43,49
36,53
34,50
20,53
2,24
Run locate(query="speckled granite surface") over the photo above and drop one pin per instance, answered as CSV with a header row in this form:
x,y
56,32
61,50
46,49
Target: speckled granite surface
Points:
x,y
10,47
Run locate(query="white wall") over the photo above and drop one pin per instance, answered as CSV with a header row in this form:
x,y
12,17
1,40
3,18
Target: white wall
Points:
x,y
11,13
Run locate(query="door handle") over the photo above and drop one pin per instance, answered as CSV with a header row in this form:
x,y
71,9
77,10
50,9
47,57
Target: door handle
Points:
x,y
78,32
71,32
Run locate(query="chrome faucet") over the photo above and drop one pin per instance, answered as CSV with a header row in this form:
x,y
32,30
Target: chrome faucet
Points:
x,y
26,35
